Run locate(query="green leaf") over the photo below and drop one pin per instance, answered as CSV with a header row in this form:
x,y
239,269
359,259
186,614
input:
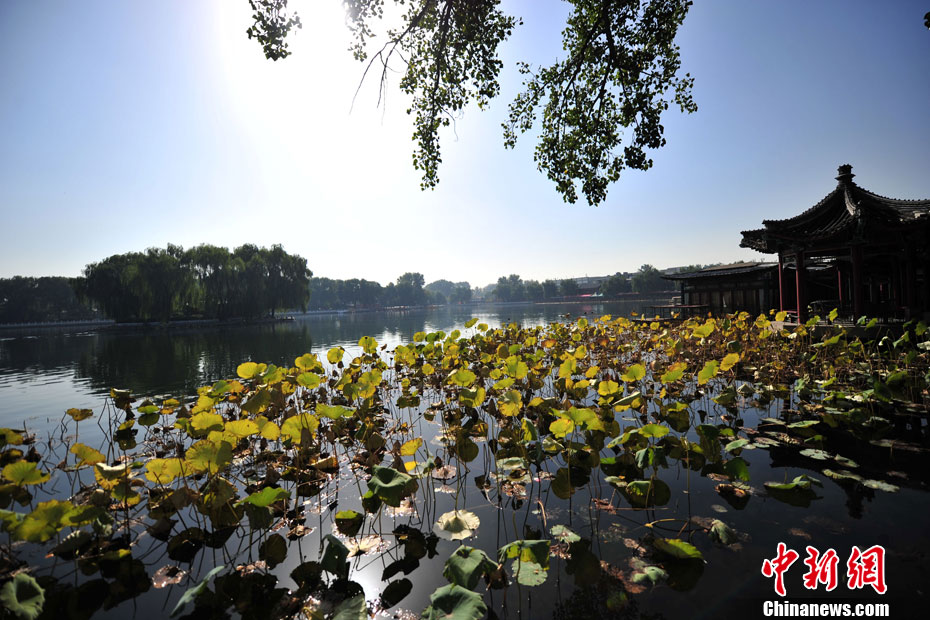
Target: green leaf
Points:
x,y
881,486
334,355
335,556
390,485
737,468
722,533
650,574
293,427
643,493
454,602
653,430
510,403
206,455
708,372
349,522
529,573
456,525
192,593
466,566
309,380
266,497
677,549
369,345
634,373
241,428
354,608
563,534
561,427
22,473
82,414
527,551
729,361
23,597
249,370
736,444
462,377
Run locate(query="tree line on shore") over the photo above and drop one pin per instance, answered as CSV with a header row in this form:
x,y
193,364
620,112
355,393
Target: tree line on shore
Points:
x,y
211,282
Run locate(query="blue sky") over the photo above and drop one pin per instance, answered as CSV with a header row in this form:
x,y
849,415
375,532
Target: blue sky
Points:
x,y
127,125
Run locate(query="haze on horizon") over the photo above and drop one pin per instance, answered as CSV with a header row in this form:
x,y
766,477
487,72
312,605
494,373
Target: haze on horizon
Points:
x,y
131,125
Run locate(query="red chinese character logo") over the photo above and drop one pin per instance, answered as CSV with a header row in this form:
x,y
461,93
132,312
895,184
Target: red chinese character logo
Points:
x,y
821,569
867,568
777,566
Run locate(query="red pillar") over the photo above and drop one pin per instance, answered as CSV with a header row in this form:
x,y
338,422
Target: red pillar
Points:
x,y
800,283
856,252
781,287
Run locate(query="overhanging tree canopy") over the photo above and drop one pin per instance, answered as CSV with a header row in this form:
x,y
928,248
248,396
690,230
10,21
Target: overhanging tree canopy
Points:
x,y
599,109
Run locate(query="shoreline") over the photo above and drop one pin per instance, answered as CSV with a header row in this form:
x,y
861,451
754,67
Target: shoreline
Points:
x,y
110,325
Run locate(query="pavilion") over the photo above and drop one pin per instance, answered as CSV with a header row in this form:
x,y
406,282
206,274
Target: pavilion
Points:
x,y
860,252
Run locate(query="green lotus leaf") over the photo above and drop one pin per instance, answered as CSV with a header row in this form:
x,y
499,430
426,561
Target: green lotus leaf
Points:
x,y
241,428
308,362
561,427
649,575
23,597
466,566
335,556
334,355
454,602
309,380
206,455
190,596
82,414
266,497
22,473
462,377
249,370
677,549
722,533
510,403
293,427
369,345
333,412
163,471
708,372
471,397
729,361
653,430
527,551
349,522
634,373
390,485
563,534
205,421
354,608
881,486
529,573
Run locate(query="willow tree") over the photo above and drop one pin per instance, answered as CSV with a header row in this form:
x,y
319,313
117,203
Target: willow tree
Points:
x,y
598,109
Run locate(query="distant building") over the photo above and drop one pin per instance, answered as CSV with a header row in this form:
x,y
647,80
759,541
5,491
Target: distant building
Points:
x,y
858,251
752,287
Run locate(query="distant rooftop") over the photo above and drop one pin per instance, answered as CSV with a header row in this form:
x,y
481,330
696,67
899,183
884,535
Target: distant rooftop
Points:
x,y
722,270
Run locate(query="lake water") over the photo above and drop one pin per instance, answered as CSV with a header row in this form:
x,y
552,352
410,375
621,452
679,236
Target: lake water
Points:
x,y
42,375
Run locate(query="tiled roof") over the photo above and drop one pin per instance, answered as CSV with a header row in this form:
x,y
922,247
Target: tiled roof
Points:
x,y
838,212
721,271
